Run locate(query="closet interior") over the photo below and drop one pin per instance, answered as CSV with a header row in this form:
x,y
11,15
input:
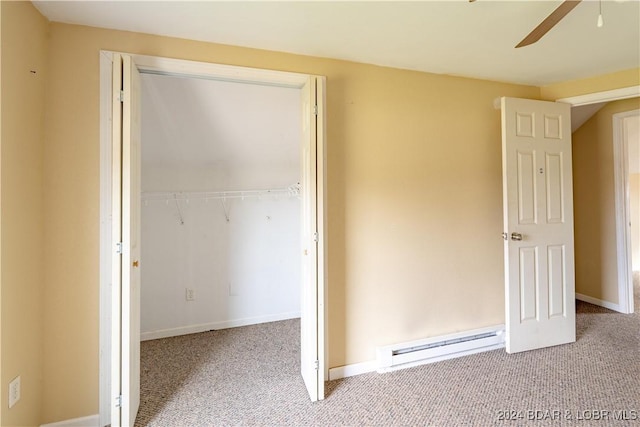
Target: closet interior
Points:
x,y
220,212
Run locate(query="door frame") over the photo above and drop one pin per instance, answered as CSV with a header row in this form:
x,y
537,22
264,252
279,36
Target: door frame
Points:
x,y
212,71
623,238
623,210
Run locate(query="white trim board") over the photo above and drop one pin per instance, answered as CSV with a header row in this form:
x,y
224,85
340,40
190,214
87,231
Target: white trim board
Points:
x,y
605,96
623,209
599,302
211,71
105,239
204,327
593,98
352,370
88,421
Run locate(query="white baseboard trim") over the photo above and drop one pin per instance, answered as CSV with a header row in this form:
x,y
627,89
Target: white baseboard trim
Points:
x,y
599,302
352,370
89,421
203,327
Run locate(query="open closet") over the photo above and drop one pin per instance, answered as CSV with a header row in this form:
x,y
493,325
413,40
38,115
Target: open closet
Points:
x,y
221,206
218,173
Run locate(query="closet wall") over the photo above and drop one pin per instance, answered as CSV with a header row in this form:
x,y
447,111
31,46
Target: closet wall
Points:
x,y
237,257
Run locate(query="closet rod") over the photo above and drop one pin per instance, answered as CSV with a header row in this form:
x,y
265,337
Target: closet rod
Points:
x,y
291,191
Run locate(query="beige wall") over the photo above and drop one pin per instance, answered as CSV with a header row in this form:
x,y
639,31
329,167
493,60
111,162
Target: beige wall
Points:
x,y
601,83
594,203
414,203
24,49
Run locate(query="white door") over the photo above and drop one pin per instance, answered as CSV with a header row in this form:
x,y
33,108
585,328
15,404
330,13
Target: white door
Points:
x,y
538,224
309,322
125,359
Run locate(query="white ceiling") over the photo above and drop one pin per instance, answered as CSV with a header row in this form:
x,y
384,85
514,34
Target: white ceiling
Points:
x,y
447,37
190,123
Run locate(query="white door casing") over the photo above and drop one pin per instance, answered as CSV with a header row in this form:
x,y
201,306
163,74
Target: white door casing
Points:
x,y
126,273
123,393
116,242
538,224
623,212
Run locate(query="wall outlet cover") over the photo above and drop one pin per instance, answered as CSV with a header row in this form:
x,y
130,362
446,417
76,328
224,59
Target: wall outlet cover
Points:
x,y
14,391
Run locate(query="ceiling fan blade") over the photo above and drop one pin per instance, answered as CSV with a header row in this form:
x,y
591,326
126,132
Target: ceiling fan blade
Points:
x,y
551,20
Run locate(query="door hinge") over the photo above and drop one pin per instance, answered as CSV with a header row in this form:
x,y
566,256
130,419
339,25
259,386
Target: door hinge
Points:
x,y
315,110
315,237
118,401
316,365
121,96
119,248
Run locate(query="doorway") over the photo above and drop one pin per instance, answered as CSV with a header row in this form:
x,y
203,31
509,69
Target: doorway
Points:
x,y
607,283
220,204
313,306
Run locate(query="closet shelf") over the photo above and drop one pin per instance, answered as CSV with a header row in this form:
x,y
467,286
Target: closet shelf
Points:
x,y
290,191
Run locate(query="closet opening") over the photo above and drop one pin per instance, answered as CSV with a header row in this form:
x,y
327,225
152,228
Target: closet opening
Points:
x,y
230,209
221,207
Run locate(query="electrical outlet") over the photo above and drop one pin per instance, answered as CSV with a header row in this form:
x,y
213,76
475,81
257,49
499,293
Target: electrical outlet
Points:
x,y
14,391
190,294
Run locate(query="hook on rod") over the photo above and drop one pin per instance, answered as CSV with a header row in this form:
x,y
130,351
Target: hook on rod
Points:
x,y
175,197
226,210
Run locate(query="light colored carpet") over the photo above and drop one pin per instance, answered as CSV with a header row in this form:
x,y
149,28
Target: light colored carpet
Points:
x,y
249,376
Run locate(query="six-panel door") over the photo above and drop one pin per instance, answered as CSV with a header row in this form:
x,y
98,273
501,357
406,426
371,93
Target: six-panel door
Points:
x,y
538,224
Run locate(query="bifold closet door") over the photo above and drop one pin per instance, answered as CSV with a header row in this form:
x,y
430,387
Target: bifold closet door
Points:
x,y
125,346
310,351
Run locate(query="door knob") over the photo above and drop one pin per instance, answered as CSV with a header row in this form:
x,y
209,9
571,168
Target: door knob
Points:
x,y
516,236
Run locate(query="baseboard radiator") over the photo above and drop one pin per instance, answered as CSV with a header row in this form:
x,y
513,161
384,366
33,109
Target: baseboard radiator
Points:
x,y
435,349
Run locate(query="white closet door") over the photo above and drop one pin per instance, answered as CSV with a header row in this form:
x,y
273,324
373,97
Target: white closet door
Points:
x,y
125,384
310,349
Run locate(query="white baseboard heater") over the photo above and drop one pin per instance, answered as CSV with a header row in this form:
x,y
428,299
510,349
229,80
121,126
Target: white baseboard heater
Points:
x,y
435,349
